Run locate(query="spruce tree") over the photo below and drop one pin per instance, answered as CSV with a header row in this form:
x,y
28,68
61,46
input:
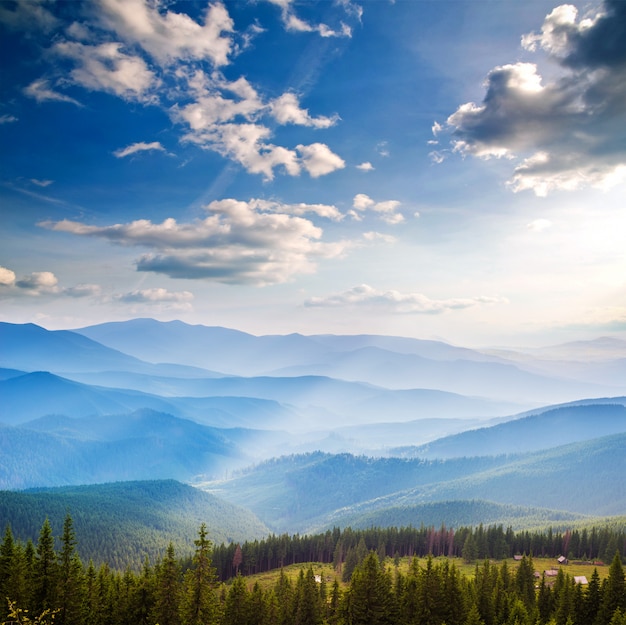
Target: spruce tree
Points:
x,y
370,594
71,588
199,601
46,571
236,609
167,595
613,592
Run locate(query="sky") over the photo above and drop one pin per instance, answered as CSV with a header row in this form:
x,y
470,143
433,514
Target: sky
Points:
x,y
451,169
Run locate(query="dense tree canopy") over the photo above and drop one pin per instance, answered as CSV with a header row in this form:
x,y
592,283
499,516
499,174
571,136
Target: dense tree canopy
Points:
x,y
52,584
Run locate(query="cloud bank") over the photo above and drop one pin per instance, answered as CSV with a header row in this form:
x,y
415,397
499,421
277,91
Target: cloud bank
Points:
x,y
257,242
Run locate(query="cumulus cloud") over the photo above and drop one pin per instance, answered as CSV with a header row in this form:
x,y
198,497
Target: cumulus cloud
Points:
x,y
318,159
565,133
105,67
7,277
41,283
387,210
169,36
417,303
256,242
286,110
40,90
139,147
366,166
224,117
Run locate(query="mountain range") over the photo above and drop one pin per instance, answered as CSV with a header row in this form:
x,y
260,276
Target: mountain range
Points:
x,y
307,432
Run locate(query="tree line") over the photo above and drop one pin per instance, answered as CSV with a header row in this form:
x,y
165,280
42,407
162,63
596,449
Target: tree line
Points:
x,y
342,547
43,585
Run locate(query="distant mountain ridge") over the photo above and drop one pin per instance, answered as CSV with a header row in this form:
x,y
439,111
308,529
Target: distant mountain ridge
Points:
x,y
391,362
550,428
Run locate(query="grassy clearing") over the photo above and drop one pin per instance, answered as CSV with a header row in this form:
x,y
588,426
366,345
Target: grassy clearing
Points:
x,y
329,574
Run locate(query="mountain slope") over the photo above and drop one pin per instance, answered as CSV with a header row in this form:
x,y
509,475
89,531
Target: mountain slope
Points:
x,y
122,523
551,428
586,478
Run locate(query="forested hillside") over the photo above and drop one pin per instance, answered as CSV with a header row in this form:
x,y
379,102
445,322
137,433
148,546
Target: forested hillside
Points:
x,y
292,492
366,586
125,522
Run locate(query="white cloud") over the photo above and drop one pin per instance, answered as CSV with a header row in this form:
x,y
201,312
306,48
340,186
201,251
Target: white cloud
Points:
x,y
321,210
41,183
387,210
319,160
38,283
170,36
7,119
286,110
223,118
539,225
366,166
7,277
138,147
566,133
40,90
293,23
395,301
105,67
256,242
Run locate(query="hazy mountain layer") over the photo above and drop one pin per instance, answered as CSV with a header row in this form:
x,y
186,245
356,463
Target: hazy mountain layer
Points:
x,y
551,428
391,362
57,450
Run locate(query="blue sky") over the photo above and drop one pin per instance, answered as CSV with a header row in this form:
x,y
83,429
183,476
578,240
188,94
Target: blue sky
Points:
x,y
452,169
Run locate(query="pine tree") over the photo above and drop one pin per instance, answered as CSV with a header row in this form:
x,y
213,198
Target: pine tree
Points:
x,y
167,596
236,610
70,590
369,594
613,592
473,617
308,608
199,601
46,571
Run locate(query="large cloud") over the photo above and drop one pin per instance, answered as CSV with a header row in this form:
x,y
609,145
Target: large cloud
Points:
x,y
171,36
106,67
256,242
365,295
565,133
